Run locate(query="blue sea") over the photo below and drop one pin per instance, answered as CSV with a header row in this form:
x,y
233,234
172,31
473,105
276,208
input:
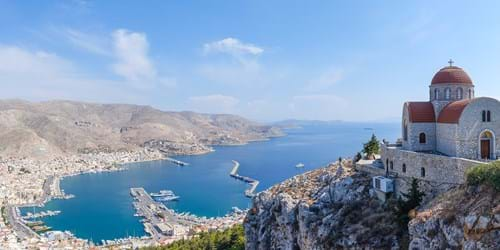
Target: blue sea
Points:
x,y
102,207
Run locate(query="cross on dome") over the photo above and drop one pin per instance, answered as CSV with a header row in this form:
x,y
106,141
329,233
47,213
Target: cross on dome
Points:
x,y
451,62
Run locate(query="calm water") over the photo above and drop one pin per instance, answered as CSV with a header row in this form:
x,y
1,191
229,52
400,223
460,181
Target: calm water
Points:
x,y
102,208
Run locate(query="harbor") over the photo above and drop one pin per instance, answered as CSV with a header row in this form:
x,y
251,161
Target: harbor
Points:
x,y
250,191
164,224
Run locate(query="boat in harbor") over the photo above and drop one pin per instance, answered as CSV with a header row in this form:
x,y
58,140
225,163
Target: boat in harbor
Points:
x,y
162,193
300,165
168,198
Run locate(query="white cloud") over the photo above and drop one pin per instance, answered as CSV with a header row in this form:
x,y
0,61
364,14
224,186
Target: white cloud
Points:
x,y
232,46
17,61
131,51
214,103
326,80
95,44
39,75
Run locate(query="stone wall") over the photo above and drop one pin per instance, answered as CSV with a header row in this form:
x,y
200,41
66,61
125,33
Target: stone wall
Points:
x,y
446,138
438,168
414,130
471,126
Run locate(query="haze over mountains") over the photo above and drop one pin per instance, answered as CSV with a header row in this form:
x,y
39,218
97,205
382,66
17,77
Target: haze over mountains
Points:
x,y
44,129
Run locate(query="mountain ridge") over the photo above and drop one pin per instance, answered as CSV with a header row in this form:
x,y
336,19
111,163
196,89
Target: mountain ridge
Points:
x,y
58,127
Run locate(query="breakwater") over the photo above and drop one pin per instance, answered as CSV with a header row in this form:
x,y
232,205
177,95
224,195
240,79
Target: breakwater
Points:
x,y
250,191
175,161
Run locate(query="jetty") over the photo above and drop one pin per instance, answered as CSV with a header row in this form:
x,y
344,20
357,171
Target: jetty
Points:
x,y
250,191
175,161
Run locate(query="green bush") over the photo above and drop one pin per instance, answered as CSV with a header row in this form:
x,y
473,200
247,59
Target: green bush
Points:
x,y
372,147
488,174
229,239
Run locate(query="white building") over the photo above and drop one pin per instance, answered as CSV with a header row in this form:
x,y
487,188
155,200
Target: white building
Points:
x,y
453,122
447,134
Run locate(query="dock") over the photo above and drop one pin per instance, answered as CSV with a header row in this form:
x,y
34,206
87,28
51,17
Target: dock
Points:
x,y
250,191
159,221
175,161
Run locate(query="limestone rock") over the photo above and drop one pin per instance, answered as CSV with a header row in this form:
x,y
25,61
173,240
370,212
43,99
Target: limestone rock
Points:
x,y
463,218
326,208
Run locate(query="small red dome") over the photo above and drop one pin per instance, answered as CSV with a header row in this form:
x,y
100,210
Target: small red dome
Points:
x,y
451,74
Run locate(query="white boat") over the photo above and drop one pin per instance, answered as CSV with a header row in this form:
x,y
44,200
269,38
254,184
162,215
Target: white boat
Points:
x,y
168,198
162,193
300,165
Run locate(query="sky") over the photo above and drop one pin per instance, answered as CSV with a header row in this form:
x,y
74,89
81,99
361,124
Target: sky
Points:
x,y
264,60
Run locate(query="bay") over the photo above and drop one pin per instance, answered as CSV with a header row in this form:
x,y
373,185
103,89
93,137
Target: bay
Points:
x,y
102,208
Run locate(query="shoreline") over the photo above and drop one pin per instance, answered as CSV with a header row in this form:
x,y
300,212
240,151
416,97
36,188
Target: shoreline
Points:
x,y
55,192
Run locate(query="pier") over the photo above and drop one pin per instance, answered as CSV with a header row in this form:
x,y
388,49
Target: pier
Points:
x,y
250,191
160,221
175,161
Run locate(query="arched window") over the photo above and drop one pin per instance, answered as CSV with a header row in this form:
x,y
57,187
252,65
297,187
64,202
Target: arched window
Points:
x,y
404,168
421,138
484,115
488,116
470,93
422,172
460,93
447,93
392,165
436,94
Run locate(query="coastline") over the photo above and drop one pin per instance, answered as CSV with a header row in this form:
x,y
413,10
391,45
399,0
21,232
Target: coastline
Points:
x,y
55,192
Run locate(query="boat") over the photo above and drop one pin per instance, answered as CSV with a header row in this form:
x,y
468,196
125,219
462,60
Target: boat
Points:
x,y
168,198
162,193
300,165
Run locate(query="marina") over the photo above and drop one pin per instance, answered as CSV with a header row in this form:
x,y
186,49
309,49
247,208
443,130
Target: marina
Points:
x,y
162,223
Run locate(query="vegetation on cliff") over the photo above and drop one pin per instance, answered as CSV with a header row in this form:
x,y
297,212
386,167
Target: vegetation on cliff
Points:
x,y
229,239
372,147
487,174
407,202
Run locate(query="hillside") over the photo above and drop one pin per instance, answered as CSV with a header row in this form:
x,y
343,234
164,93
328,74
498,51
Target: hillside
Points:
x,y
327,208
52,128
335,208
463,218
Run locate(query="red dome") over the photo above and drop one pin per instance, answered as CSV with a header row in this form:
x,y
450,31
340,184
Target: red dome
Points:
x,y
451,74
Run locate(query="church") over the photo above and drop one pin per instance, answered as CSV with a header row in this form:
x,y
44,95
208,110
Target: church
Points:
x,y
453,122
446,135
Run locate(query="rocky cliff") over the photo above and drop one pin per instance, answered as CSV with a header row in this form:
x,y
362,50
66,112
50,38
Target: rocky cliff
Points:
x,y
463,218
328,208
335,208
65,127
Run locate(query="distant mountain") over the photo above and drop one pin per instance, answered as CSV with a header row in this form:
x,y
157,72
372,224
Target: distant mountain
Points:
x,y
293,123
68,127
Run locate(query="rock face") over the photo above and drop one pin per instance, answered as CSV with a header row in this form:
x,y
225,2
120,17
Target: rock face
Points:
x,y
463,218
65,127
327,208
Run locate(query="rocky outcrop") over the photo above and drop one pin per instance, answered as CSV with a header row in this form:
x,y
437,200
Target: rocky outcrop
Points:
x,y
463,218
327,208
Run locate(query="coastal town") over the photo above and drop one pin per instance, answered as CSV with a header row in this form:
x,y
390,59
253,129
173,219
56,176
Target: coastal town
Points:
x,y
30,182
